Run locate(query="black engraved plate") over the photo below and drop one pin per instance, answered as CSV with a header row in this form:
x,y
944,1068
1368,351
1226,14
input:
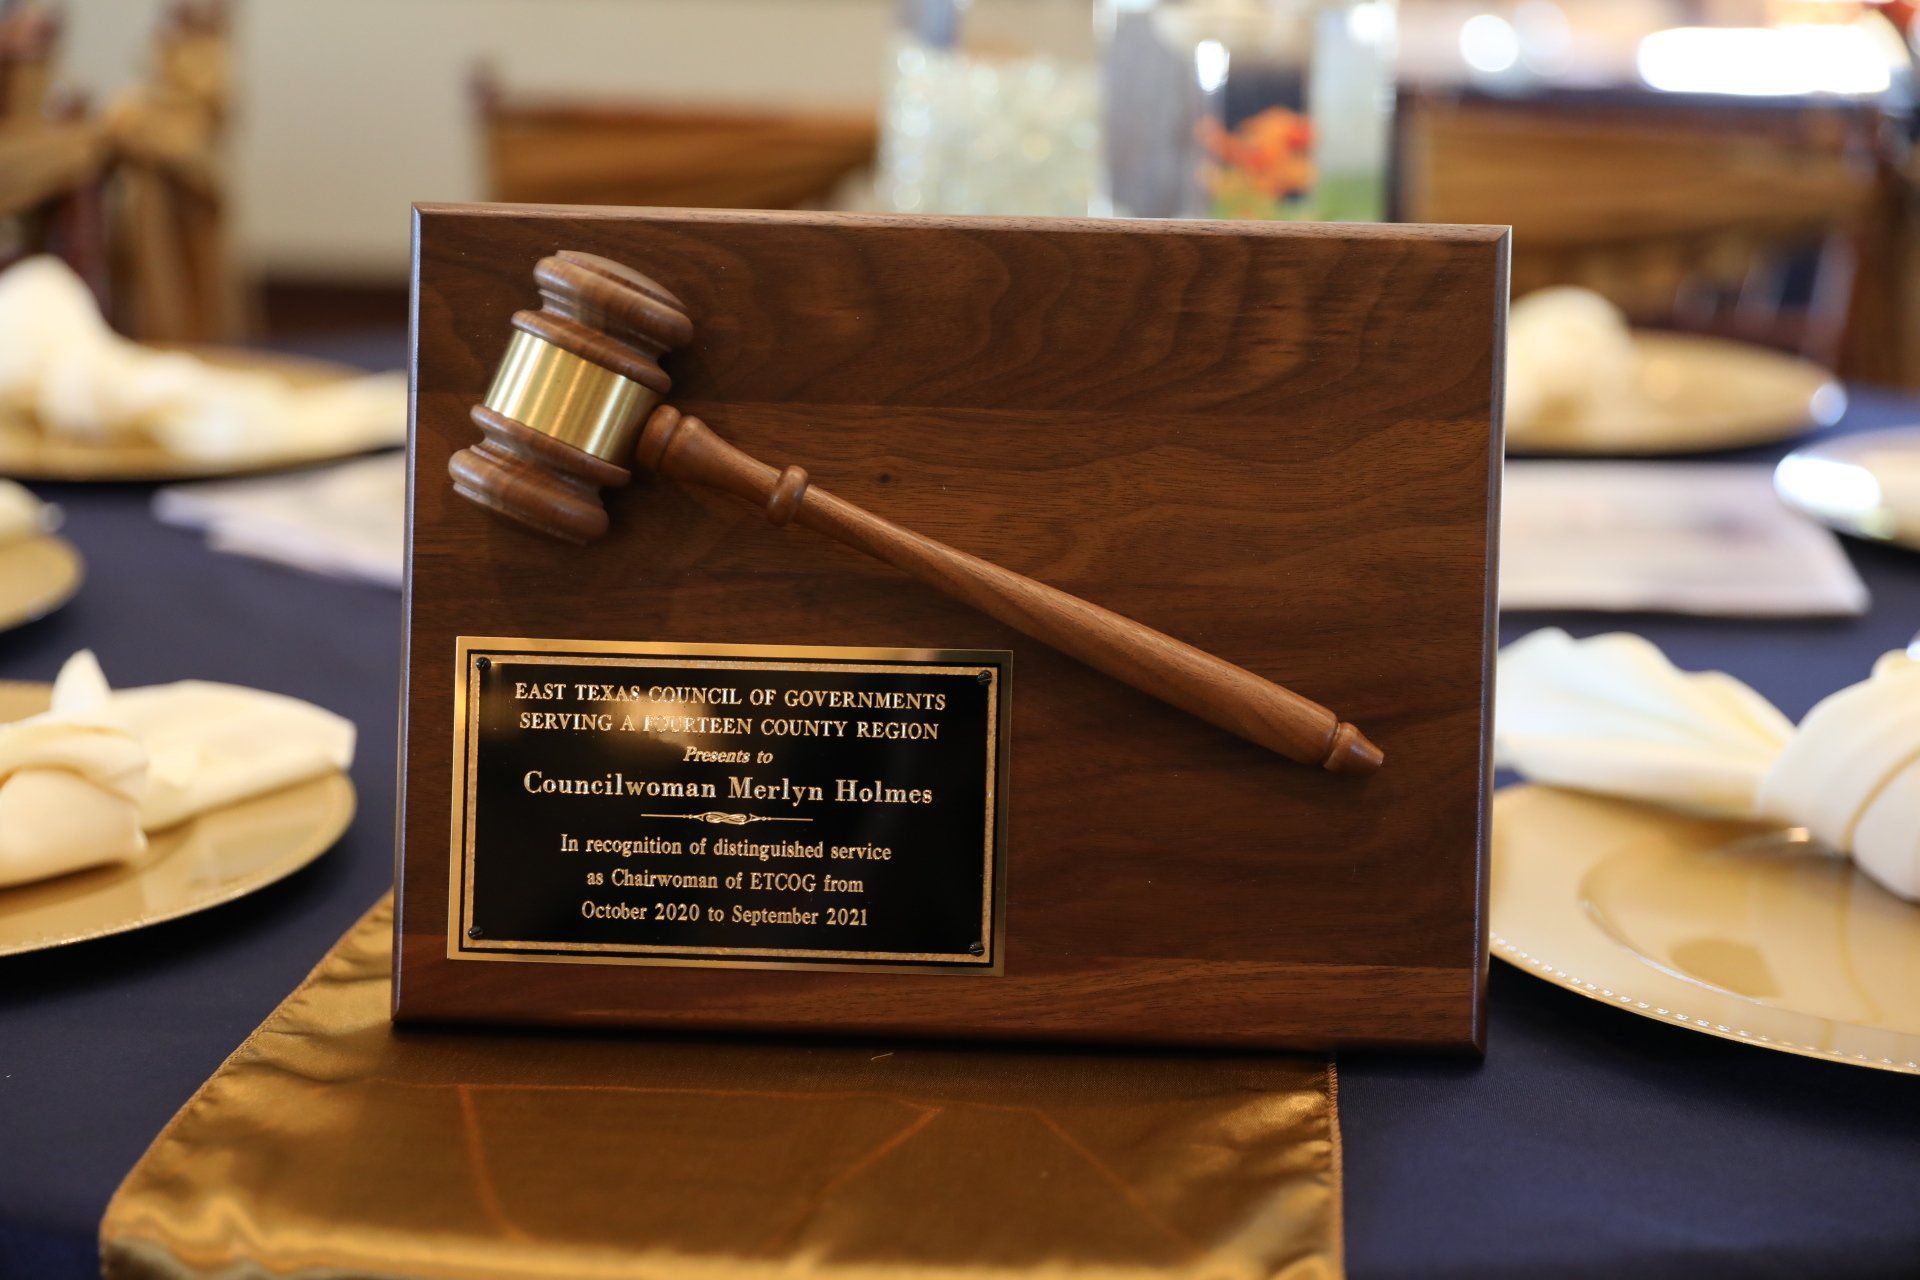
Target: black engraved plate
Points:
x,y
735,805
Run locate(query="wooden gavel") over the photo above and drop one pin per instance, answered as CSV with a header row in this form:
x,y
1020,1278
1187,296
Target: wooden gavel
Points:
x,y
582,374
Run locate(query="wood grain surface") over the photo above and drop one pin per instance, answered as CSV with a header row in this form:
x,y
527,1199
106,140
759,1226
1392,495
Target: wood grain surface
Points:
x,y
684,449
1278,443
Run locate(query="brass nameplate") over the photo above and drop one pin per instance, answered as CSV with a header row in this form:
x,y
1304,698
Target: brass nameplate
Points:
x,y
748,806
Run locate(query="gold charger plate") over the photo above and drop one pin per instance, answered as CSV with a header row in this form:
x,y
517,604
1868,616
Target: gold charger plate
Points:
x,y
37,576
28,453
205,861
1738,931
1699,394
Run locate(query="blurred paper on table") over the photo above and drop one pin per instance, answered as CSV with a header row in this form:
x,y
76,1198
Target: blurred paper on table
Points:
x,y
346,522
1666,537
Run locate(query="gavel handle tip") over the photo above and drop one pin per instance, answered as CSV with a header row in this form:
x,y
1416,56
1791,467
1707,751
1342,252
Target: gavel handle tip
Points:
x,y
1351,752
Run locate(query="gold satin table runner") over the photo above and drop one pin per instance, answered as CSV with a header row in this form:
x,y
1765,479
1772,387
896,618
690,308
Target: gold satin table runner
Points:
x,y
333,1145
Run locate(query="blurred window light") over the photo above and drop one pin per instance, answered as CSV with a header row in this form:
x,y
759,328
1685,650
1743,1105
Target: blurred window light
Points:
x,y
1545,35
1783,61
1837,490
1210,59
1370,22
1489,43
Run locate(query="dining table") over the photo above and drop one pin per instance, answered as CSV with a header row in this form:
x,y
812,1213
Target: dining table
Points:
x,y
1586,1143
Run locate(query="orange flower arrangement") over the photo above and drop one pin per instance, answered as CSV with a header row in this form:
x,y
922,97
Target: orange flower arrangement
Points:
x,y
1255,169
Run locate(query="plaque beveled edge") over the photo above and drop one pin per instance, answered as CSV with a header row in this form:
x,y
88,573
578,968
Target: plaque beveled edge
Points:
x,y
466,731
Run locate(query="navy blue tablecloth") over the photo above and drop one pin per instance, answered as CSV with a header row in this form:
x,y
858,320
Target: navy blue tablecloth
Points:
x,y
1589,1142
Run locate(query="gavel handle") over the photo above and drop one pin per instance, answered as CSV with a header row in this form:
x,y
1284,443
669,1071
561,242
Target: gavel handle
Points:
x,y
685,449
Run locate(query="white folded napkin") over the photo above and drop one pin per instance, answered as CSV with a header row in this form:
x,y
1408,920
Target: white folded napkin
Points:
x,y
62,365
347,521
1851,775
22,515
71,779
1572,368
81,783
1612,715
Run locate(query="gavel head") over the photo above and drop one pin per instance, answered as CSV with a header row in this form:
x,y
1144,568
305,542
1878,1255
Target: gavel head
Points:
x,y
578,380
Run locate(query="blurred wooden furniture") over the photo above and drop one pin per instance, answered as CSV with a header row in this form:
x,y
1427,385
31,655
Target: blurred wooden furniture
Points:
x,y
29,39
1886,311
172,254
543,150
51,157
1779,226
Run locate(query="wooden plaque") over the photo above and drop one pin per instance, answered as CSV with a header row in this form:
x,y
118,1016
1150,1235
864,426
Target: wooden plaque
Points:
x,y
1279,443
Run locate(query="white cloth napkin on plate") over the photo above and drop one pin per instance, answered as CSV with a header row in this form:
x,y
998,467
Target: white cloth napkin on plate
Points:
x,y
1572,367
62,365
82,783
347,521
71,779
1612,715
22,515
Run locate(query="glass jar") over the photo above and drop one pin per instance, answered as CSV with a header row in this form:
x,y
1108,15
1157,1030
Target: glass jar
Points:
x,y
992,107
1248,108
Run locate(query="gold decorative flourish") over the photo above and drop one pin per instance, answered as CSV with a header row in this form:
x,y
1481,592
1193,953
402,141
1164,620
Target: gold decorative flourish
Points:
x,y
724,819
